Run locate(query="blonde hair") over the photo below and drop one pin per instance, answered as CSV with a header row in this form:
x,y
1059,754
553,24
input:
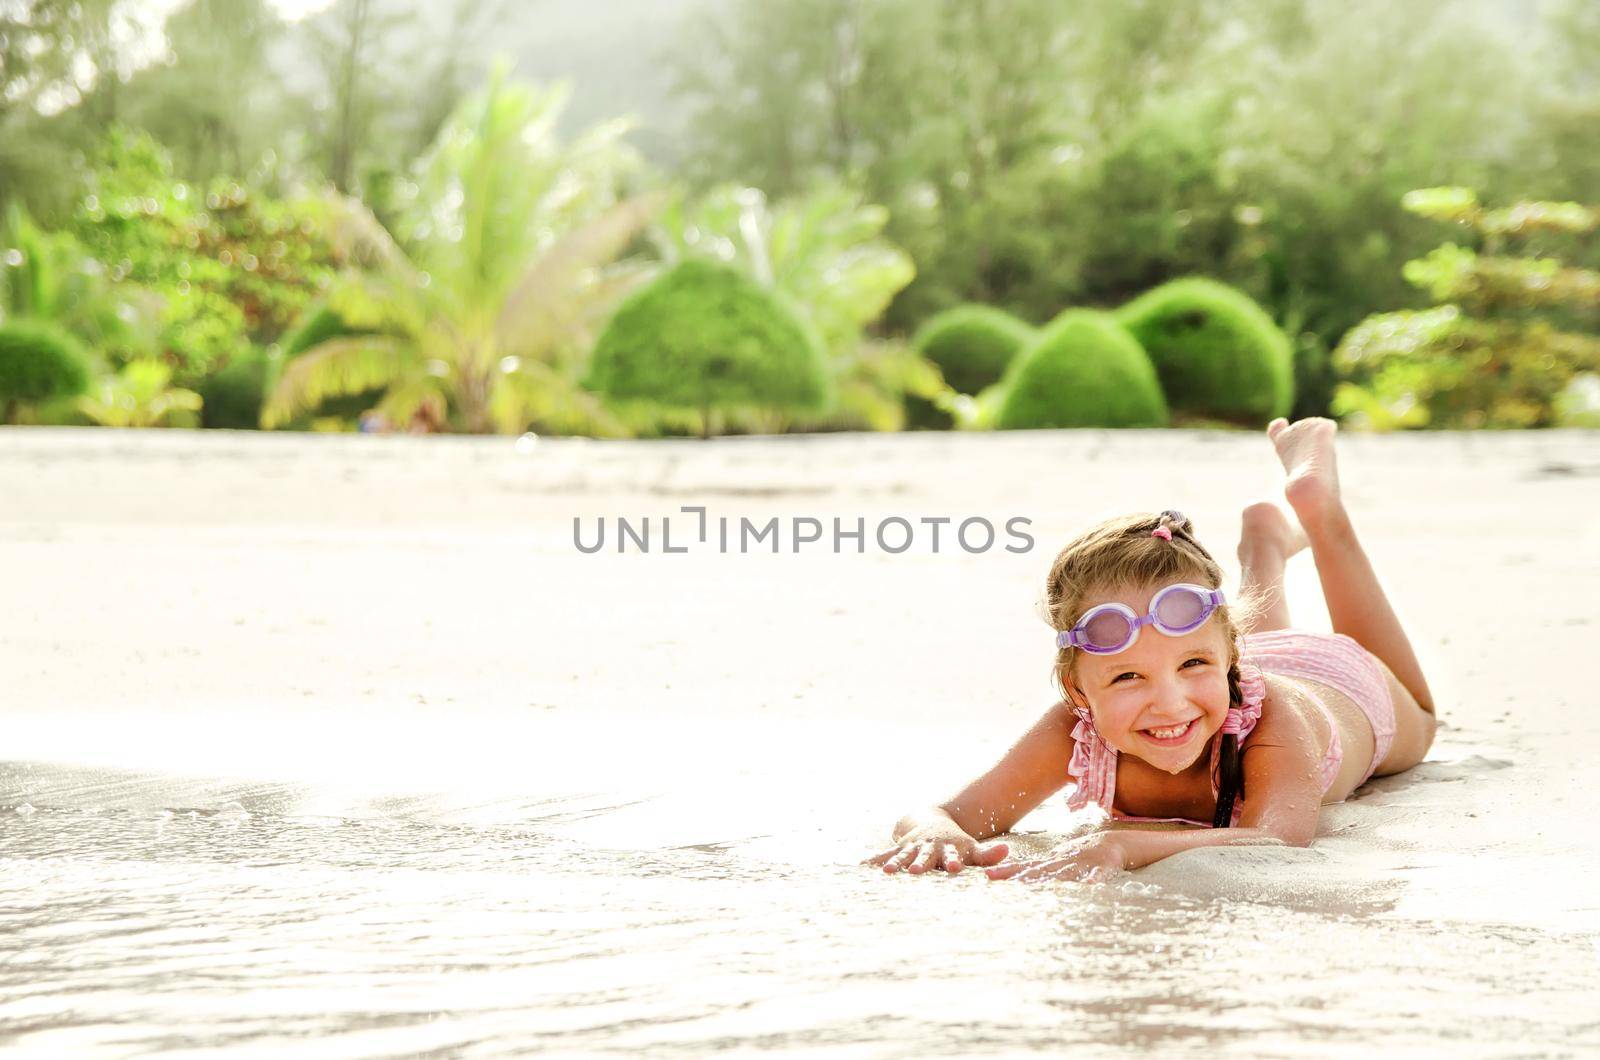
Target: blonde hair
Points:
x,y
1127,551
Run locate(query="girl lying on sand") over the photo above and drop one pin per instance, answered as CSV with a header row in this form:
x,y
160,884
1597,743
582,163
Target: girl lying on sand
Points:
x,y
1198,724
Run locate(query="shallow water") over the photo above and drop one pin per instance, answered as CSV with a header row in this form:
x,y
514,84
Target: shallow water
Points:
x,y
147,912
398,778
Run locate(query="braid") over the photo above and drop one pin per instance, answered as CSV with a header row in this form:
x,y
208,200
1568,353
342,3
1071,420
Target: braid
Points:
x,y
1230,783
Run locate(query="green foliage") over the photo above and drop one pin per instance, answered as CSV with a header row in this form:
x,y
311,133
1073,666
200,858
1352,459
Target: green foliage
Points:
x,y
704,336
39,362
1083,370
513,238
1512,345
877,385
141,395
319,325
49,276
1314,377
231,268
1217,353
234,395
215,106
823,251
972,345
1080,153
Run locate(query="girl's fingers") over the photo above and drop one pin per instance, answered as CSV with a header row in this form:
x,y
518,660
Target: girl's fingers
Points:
x,y
1034,874
925,852
990,855
1006,871
950,859
879,859
898,861
1033,871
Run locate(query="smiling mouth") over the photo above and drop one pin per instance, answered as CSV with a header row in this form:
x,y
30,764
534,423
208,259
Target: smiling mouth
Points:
x,y
1175,734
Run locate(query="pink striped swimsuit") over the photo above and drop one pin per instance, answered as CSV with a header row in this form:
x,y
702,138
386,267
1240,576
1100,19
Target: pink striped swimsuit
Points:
x,y
1332,659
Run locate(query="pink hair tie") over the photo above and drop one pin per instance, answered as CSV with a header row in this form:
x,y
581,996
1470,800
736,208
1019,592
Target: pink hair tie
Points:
x,y
1162,532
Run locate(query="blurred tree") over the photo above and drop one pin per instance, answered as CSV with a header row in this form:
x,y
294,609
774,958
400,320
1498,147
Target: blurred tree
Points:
x,y
214,103
50,276
1038,154
1505,348
1558,135
386,79
824,250
232,268
351,43
513,238
773,90
50,51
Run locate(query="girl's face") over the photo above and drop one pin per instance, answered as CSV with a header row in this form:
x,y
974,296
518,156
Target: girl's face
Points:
x,y
1142,697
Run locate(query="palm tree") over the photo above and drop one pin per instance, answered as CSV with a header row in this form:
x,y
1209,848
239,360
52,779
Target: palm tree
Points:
x,y
513,242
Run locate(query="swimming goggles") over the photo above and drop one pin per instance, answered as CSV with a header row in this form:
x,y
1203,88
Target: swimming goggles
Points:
x,y
1109,628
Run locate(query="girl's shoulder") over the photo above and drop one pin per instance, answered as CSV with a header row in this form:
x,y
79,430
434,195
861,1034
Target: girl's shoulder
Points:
x,y
1288,714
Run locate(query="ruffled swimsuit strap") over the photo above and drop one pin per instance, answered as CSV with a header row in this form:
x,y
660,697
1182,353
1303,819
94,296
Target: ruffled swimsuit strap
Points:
x,y
1094,764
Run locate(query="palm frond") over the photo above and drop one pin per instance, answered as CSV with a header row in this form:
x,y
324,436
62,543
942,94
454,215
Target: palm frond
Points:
x,y
336,367
536,396
541,307
357,235
406,398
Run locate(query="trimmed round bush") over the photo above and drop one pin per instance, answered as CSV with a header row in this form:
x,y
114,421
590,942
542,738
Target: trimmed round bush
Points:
x,y
972,344
1218,354
1083,370
39,362
704,336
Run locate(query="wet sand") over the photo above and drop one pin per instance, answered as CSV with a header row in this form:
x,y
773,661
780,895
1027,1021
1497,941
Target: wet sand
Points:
x,y
356,628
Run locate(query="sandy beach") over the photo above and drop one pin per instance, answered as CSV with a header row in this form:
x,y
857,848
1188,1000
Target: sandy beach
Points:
x,y
404,631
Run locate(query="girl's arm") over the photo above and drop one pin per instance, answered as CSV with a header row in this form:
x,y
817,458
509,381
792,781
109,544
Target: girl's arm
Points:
x,y
1285,799
1034,769
944,836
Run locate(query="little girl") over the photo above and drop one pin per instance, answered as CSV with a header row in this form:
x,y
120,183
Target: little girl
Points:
x,y
1170,715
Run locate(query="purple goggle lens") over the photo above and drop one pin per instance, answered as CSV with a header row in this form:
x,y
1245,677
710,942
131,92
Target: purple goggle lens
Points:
x,y
1110,628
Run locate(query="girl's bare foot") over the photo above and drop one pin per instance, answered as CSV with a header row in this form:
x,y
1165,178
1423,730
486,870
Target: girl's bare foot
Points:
x,y
1305,448
1267,532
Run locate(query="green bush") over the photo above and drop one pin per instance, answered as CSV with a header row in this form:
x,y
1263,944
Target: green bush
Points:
x,y
1217,353
972,345
702,336
39,362
1083,370
234,395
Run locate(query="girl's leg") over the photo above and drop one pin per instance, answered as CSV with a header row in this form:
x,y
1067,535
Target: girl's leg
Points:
x,y
1266,542
1357,605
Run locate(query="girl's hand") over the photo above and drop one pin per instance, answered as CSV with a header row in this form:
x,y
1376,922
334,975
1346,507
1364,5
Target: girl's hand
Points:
x,y
946,848
1094,857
